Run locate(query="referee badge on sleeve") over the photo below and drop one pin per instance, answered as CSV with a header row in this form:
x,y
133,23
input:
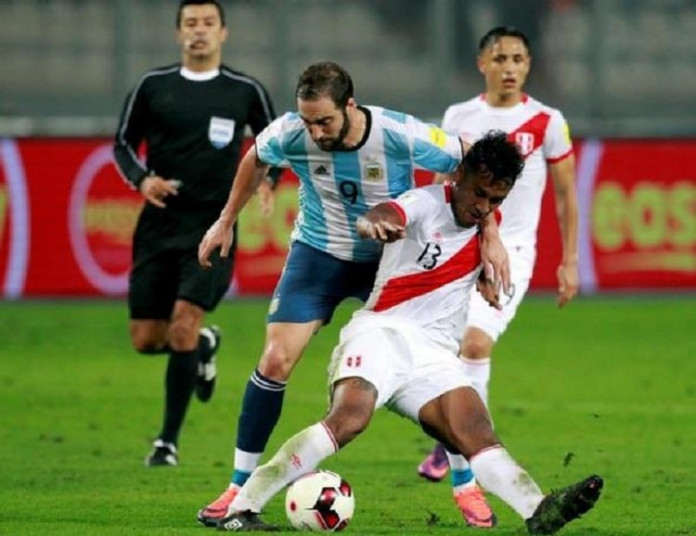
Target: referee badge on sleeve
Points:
x,y
220,131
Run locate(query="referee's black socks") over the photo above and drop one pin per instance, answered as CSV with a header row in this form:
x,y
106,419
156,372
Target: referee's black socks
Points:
x,y
180,380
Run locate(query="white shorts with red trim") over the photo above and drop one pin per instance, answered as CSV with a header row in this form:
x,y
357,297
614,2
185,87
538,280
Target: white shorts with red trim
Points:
x,y
406,367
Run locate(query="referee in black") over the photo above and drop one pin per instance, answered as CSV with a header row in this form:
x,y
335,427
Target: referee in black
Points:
x,y
192,117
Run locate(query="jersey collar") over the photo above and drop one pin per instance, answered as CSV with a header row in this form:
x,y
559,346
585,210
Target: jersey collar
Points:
x,y
198,76
368,127
504,109
366,134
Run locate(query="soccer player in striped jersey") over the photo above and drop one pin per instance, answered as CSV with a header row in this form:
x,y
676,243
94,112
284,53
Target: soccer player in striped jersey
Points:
x,y
401,349
191,116
542,135
348,158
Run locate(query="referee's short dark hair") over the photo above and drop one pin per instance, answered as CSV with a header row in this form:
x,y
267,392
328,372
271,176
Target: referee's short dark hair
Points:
x,y
325,79
185,3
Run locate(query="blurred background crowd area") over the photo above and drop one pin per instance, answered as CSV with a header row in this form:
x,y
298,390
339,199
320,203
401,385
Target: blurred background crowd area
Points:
x,y
617,68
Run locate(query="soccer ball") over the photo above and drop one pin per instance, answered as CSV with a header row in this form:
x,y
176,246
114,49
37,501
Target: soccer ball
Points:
x,y
320,501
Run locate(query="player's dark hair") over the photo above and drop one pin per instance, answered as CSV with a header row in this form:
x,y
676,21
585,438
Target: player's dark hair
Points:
x,y
325,79
185,3
496,33
495,155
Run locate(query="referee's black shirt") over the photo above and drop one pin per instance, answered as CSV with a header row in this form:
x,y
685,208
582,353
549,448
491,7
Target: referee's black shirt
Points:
x,y
193,130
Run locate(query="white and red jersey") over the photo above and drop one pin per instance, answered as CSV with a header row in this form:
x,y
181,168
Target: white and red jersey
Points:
x,y
425,278
542,135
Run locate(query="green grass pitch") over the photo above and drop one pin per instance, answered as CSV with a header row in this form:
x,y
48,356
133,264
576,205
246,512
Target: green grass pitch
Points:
x,y
606,386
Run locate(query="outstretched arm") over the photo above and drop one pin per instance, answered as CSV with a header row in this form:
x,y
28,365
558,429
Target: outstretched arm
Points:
x,y
384,223
250,173
563,174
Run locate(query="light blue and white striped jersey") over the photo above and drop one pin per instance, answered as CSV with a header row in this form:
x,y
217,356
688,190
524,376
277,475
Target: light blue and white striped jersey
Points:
x,y
339,186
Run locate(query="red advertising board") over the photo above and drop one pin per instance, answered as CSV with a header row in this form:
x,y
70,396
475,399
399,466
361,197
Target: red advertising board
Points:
x,y
643,220
263,241
66,220
637,229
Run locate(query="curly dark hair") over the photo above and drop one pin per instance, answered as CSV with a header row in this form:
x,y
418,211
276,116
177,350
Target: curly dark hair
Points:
x,y
325,79
495,155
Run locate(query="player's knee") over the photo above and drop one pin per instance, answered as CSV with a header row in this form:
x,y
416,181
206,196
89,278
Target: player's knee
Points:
x,y
476,347
182,337
276,362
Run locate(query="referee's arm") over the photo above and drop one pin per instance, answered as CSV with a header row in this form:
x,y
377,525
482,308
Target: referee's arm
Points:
x,y
129,135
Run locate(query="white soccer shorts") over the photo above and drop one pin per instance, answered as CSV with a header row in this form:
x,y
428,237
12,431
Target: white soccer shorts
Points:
x,y
407,369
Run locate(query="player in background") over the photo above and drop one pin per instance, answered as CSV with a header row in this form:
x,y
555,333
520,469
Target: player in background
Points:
x,y
192,116
542,136
348,158
401,349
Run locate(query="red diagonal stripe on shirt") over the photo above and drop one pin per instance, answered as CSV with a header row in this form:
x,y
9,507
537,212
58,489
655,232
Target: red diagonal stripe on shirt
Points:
x,y
406,287
536,126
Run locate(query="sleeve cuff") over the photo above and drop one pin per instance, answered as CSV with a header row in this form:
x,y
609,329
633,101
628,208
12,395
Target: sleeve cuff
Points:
x,y
139,180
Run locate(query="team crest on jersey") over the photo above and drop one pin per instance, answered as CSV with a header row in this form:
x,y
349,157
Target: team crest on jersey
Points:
x,y
374,171
220,131
525,142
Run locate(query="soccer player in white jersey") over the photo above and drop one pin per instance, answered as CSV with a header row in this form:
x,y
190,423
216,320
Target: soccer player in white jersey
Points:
x,y
401,349
348,158
541,133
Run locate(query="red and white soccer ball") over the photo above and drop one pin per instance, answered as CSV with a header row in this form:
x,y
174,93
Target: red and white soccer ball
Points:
x,y
320,501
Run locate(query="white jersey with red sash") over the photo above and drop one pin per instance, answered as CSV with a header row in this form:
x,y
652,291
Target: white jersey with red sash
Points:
x,y
425,278
542,135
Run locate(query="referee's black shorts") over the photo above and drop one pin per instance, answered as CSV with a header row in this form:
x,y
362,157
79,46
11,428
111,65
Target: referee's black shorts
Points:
x,y
158,280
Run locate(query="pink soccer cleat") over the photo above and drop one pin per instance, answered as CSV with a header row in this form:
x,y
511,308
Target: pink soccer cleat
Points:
x,y
474,508
217,510
435,465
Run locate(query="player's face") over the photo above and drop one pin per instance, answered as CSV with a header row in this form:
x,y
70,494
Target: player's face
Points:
x,y
326,123
201,33
474,197
505,66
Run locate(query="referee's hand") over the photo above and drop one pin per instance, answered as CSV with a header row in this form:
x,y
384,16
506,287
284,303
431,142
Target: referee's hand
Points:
x,y
220,235
155,189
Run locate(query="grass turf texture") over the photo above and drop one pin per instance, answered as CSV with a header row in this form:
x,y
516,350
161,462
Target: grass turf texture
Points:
x,y
607,385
